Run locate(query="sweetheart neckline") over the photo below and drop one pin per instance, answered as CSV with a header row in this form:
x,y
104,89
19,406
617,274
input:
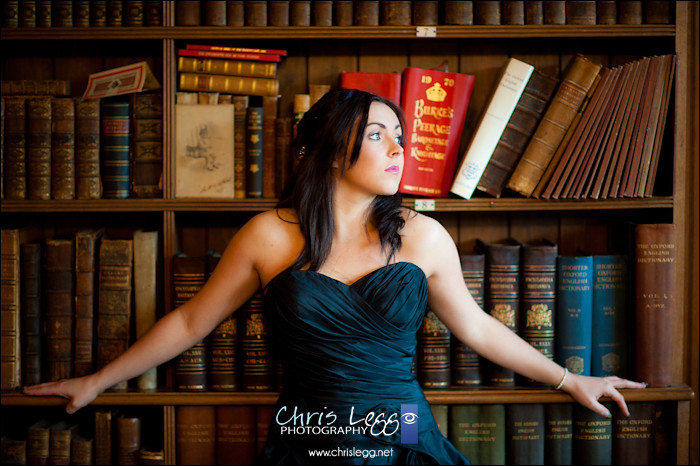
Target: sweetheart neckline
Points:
x,y
349,285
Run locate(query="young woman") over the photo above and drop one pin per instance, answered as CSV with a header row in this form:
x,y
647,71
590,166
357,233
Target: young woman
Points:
x,y
347,273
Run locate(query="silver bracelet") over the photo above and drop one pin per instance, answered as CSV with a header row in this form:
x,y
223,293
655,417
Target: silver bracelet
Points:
x,y
563,379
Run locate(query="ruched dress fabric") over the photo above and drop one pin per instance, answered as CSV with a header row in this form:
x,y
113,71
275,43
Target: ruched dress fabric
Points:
x,y
347,353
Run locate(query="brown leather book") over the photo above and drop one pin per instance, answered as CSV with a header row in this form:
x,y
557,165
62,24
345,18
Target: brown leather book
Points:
x,y
104,419
63,148
278,13
366,13
487,12
147,157
459,12
146,294
283,158
87,243
39,148
554,12
36,87
343,13
580,12
61,435
229,84
606,12
501,297
465,364
655,255
115,14
43,14
153,12
514,12
114,303
522,124
15,148
425,13
538,293
395,13
633,435
195,434
81,13
255,13
32,322
263,419
59,317
98,13
133,13
630,11
222,347
188,13
257,366
81,449
13,450
300,13
270,113
214,13
534,12
240,108
87,149
235,13
433,355
189,275
38,438
578,78
128,439
62,14
236,432
658,12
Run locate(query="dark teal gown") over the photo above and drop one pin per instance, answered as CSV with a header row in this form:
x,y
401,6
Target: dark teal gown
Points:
x,y
347,353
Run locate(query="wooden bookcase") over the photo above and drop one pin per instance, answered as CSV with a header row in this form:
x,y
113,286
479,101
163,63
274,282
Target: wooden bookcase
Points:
x,y
316,56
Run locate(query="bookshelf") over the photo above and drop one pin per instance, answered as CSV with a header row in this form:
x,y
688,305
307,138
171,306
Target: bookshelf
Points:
x,y
317,55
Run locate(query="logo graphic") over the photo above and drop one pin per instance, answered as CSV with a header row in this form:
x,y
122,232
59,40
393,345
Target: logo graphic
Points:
x,y
409,423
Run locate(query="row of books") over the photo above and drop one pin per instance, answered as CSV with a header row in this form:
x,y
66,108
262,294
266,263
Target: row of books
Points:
x,y
420,13
107,436
60,147
99,13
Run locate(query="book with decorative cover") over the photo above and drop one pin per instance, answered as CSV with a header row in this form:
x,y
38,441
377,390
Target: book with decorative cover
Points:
x,y
59,317
195,434
147,140
115,159
254,152
236,431
525,433
39,147
257,367
227,67
63,148
88,184
87,247
15,149
435,104
610,317
32,321
433,355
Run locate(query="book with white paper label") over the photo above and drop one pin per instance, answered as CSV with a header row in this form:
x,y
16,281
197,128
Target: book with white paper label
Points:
x,y
513,79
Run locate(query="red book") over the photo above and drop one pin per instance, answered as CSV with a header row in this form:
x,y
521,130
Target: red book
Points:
x,y
435,103
387,85
221,48
228,55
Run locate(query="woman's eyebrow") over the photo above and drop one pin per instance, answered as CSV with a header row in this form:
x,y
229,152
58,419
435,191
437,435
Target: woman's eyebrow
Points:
x,y
383,125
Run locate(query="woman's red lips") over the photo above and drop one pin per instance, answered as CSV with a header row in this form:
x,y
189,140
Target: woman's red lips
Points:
x,y
394,169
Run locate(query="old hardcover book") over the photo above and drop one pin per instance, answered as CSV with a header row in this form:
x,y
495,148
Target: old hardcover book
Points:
x,y
487,12
630,12
81,449
98,14
153,13
606,12
222,347
88,183
300,13
240,110
32,320
115,144
195,434
227,67
62,14
204,147
278,13
36,87
654,255
2,147
81,13
235,13
592,437
610,316
574,313
128,441
554,12
257,367
87,247
538,294
534,12
63,148
114,303
500,107
479,432
434,102
104,420
558,433
633,435
229,84
580,12
61,435
525,433
189,275
283,150
188,13
255,13
269,141
236,432
230,55
459,13
384,84
11,241
254,152
214,13
59,317
263,417
425,13
395,13
145,294
517,133
39,148
655,12
343,13
147,140
433,356
38,438
502,296
115,14
561,112
441,414
221,48
13,450
465,363
366,13
514,12
15,150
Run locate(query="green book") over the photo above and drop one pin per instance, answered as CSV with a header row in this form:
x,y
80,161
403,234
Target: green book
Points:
x,y
525,433
479,432
592,437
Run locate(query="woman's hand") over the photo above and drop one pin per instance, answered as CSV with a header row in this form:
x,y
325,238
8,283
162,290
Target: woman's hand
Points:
x,y
79,392
588,390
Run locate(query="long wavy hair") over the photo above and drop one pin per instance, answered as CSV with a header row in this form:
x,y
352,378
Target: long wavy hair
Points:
x,y
332,130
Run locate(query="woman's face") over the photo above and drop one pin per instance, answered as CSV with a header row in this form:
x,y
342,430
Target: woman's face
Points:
x,y
379,167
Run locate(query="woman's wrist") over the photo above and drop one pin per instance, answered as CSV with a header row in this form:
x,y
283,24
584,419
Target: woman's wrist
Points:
x,y
562,381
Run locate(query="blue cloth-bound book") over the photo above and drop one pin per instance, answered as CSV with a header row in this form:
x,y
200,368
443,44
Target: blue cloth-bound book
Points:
x,y
609,355
574,313
116,137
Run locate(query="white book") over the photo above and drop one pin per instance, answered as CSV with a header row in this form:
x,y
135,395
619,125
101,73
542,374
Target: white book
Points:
x,y
505,97
145,257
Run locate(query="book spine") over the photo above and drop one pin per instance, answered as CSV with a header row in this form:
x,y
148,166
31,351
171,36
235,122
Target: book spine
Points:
x,y
145,294
395,13
114,300
538,297
278,13
525,433
255,13
227,67
465,364
32,318
366,13
103,436
343,13
10,310
633,435
425,13
514,12
574,313
81,13
60,436
240,110
592,436
254,152
323,13
98,13
235,13
610,317
459,13
223,357
487,12
554,12
263,415
221,48
558,433
630,12
128,439
39,148
654,256
534,12
283,149
463,422
81,449
261,57
441,415
269,152
655,12
133,13
87,149
580,12
115,13
86,253
188,13
153,13
257,368
36,87
555,122
214,13
433,353
59,316
147,137
38,438
229,84
195,434
62,14
63,148
505,97
236,431
15,150
606,12
189,275
114,149
479,432
300,13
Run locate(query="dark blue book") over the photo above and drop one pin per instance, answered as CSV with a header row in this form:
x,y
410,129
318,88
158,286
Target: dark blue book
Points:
x,y
559,428
593,436
525,426
114,147
254,152
574,313
610,281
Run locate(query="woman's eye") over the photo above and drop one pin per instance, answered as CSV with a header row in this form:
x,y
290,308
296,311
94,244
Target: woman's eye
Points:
x,y
398,139
374,136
